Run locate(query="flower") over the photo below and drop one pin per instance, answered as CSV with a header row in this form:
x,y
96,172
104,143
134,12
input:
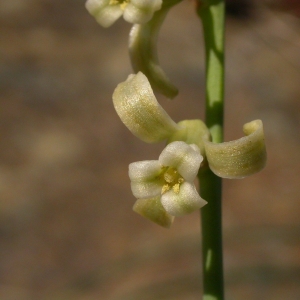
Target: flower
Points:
x,y
170,179
139,110
106,12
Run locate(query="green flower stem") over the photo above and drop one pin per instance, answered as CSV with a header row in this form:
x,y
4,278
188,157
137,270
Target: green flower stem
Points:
x,y
212,14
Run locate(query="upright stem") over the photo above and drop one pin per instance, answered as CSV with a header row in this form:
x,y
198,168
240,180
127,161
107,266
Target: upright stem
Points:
x,y
212,14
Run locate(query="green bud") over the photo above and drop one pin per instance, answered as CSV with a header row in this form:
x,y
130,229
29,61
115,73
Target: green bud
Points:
x,y
239,158
192,132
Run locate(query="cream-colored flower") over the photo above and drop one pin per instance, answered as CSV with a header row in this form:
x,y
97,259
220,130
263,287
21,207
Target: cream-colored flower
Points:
x,y
106,12
170,179
139,110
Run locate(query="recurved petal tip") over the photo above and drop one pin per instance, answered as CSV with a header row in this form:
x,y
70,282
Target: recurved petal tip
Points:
x,y
239,158
139,110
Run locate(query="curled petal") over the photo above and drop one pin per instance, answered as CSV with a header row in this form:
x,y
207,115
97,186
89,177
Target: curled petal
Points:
x,y
139,110
141,11
153,210
239,158
104,13
146,179
192,132
185,202
143,53
183,157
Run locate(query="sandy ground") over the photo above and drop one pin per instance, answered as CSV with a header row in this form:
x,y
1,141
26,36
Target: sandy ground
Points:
x,y
67,230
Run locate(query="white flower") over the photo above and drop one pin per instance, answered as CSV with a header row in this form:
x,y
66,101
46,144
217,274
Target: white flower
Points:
x,y
170,178
106,12
139,110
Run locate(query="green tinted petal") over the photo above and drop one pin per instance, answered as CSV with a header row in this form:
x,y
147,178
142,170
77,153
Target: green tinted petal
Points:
x,y
146,179
104,13
183,157
154,211
184,202
239,158
139,110
141,11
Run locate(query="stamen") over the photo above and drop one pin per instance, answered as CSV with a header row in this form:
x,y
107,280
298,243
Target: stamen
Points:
x,y
171,175
122,3
176,188
172,180
165,188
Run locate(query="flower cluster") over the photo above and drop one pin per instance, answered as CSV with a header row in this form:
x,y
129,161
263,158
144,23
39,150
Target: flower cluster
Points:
x,y
164,188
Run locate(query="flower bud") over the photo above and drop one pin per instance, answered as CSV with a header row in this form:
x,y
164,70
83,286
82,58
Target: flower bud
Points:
x,y
192,132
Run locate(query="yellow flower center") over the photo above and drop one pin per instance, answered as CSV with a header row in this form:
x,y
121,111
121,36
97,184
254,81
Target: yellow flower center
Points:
x,y
121,3
172,179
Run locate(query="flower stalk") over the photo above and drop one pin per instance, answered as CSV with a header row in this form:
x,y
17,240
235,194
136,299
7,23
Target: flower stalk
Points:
x,y
212,15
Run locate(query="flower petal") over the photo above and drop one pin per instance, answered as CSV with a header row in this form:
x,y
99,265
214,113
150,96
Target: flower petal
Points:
x,y
185,202
139,110
154,211
105,14
141,11
93,6
144,170
239,158
182,157
146,179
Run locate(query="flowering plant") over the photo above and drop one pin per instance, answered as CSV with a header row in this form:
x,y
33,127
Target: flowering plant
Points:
x,y
165,188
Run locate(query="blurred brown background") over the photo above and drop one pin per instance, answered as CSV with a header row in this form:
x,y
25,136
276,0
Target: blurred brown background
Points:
x,y
67,230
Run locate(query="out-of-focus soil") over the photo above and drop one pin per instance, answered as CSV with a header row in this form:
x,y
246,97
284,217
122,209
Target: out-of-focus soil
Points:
x,y
67,230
